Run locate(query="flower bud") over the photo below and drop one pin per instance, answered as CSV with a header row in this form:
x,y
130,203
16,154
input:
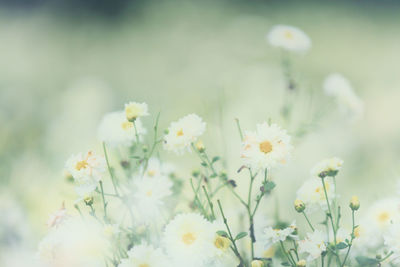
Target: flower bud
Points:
x,y
257,263
301,263
88,200
354,203
195,173
299,205
200,146
145,148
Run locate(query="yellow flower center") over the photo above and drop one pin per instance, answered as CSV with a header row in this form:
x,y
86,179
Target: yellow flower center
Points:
x,y
288,35
265,147
81,165
179,133
151,173
149,193
188,238
383,217
132,112
222,243
357,231
126,125
144,265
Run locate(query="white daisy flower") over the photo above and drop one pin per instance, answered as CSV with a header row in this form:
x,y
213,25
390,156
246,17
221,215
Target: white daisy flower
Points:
x,y
188,239
289,38
144,256
149,196
265,148
273,236
327,167
313,245
134,110
337,86
156,168
184,132
223,256
383,213
115,130
75,243
313,195
87,170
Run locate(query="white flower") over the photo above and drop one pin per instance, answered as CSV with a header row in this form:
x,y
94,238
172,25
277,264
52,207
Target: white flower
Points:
x,y
313,195
313,245
327,167
134,110
267,147
289,38
75,243
115,130
383,213
58,217
156,168
188,239
149,196
87,170
144,256
392,241
184,132
337,86
273,236
223,256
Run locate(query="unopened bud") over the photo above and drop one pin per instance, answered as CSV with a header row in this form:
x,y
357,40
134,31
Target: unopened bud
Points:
x,y
299,205
354,203
88,200
301,263
200,146
257,263
195,173
145,148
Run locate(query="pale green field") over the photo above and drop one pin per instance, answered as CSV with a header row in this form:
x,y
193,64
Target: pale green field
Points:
x,y
59,75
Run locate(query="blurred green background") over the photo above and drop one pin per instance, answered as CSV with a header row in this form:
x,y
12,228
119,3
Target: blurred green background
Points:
x,y
66,63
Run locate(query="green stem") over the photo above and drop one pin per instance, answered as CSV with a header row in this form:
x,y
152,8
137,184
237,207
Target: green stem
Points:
x,y
109,169
308,221
239,129
209,203
104,201
351,240
136,132
291,261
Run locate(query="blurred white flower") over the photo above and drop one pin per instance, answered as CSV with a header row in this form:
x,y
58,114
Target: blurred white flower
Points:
x,y
273,236
223,256
265,148
392,241
156,168
134,110
313,245
115,130
87,170
337,86
184,132
75,243
327,167
313,195
149,196
289,38
383,213
144,256
188,239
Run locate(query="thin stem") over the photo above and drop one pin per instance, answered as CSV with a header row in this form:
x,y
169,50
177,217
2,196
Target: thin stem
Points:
x,y
155,143
109,169
104,201
291,261
308,221
331,219
239,129
235,249
196,197
136,132
351,240
209,203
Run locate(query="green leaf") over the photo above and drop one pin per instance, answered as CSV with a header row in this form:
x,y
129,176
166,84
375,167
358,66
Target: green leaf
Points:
x,y
215,159
203,164
213,175
341,245
222,233
362,260
268,186
240,235
285,263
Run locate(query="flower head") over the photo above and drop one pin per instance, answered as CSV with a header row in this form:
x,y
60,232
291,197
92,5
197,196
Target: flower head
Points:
x,y
273,236
189,238
313,196
313,245
144,256
57,217
87,170
115,130
267,147
134,110
184,132
289,38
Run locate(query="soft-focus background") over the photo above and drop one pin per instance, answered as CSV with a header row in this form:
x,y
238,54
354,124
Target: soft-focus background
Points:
x,y
66,63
